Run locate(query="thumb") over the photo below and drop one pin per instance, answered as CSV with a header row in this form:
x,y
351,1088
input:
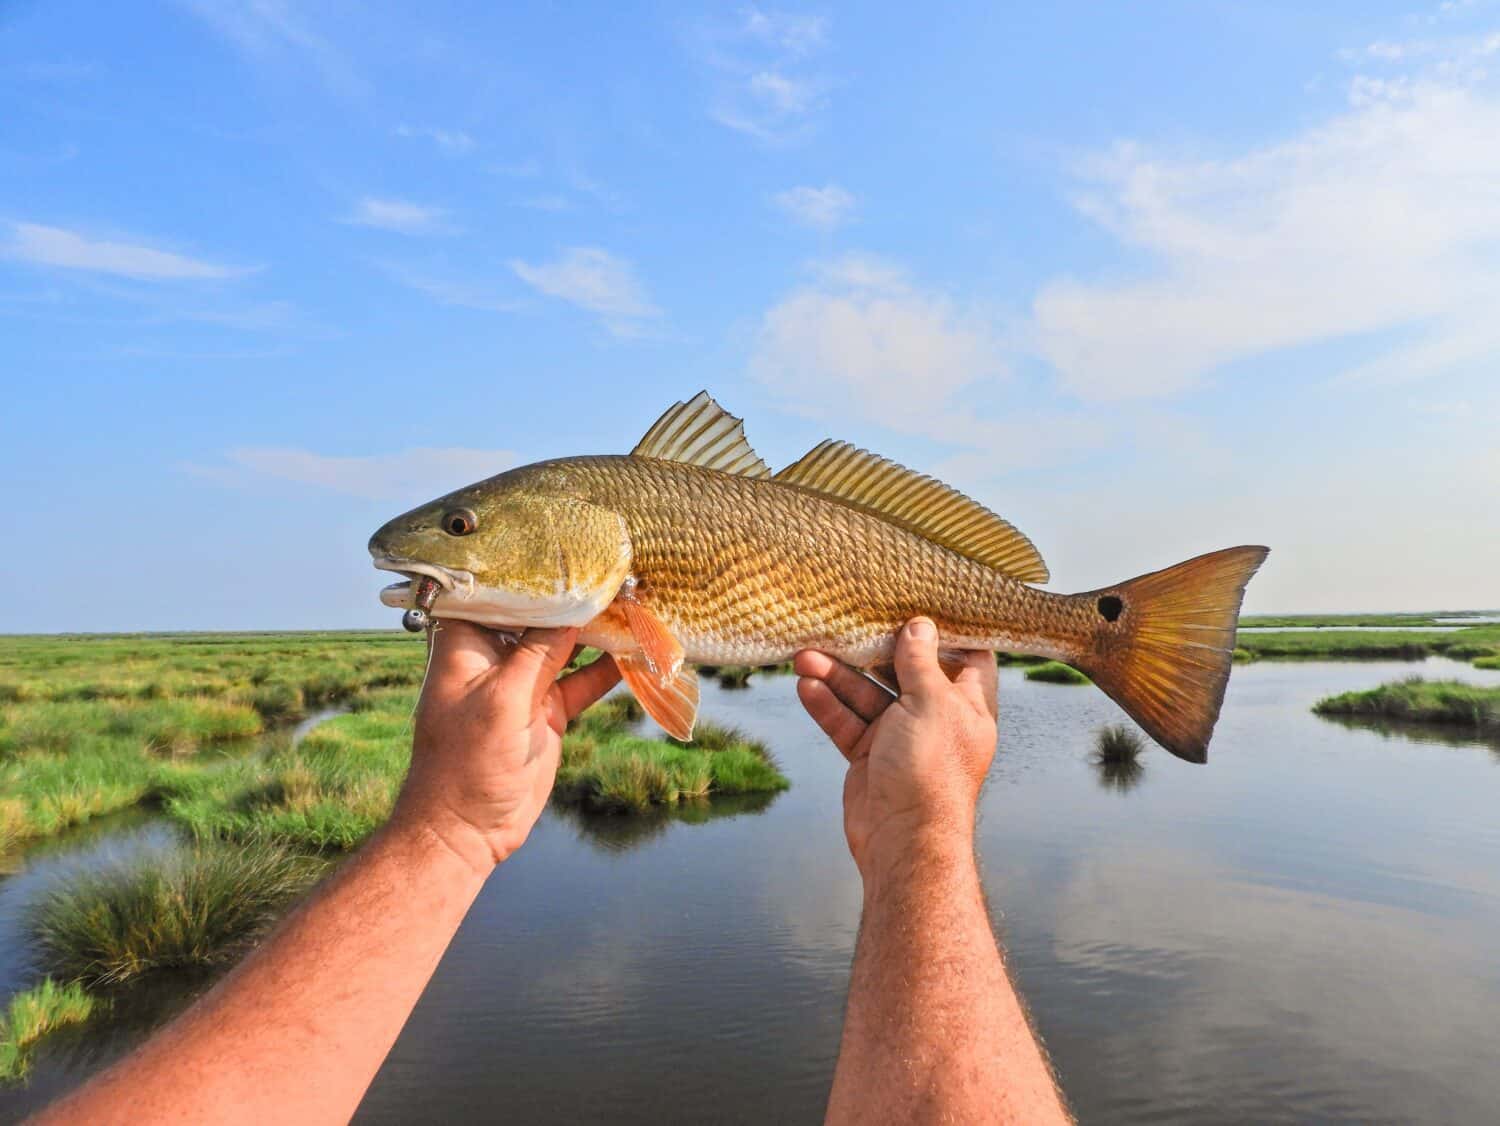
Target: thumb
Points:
x,y
539,656
917,669
461,652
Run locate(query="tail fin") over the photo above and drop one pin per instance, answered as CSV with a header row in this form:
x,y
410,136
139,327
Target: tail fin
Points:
x,y
1165,643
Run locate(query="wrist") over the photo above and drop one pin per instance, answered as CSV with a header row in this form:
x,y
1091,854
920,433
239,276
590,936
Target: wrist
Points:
x,y
448,840
897,856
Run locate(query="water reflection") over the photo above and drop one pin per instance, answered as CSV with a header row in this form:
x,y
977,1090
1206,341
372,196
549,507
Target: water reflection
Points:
x,y
1416,731
1119,775
615,832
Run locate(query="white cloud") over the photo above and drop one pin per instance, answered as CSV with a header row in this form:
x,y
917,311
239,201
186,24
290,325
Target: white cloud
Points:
x,y
1382,219
595,280
864,342
69,250
398,215
824,208
409,475
762,85
454,142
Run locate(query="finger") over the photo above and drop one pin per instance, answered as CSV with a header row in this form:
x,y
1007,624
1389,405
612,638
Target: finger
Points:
x,y
917,667
538,657
461,652
581,688
831,714
865,699
981,677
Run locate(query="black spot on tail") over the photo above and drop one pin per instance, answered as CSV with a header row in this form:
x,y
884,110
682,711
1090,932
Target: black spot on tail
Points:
x,y
1110,607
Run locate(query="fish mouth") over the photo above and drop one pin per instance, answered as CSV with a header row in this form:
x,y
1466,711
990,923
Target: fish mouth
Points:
x,y
453,581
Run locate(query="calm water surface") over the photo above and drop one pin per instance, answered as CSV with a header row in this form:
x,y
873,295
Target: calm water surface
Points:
x,y
1304,930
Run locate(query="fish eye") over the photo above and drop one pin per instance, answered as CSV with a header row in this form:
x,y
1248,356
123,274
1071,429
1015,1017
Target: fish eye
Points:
x,y
459,522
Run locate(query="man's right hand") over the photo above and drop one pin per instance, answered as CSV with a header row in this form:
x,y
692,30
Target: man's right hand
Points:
x,y
916,762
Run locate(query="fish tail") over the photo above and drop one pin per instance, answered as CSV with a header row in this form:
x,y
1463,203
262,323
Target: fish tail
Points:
x,y
1164,642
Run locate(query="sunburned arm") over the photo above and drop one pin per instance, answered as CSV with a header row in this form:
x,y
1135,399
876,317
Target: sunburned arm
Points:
x,y
297,1031
934,1030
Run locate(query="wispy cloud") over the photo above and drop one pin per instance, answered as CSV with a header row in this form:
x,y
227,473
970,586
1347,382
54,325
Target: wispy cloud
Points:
x,y
455,292
796,33
267,30
400,216
454,142
595,280
862,339
763,83
568,189
408,475
63,249
1382,219
822,208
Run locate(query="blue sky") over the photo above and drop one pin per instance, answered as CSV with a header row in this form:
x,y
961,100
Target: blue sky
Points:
x,y
1148,280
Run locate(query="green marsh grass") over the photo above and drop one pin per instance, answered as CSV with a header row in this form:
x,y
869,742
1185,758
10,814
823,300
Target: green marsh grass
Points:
x,y
607,769
93,725
1347,644
1416,700
1055,672
34,1013
198,906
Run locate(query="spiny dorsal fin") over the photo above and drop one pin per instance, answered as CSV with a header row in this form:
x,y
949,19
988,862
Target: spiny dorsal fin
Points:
x,y
700,432
920,504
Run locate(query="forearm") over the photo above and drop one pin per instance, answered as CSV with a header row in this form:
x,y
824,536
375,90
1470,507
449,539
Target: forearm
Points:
x,y
297,1031
934,1029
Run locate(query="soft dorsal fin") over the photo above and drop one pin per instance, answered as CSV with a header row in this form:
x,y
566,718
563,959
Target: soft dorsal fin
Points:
x,y
700,432
920,504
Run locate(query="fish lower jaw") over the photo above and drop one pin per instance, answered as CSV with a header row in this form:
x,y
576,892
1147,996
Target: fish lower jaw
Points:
x,y
454,582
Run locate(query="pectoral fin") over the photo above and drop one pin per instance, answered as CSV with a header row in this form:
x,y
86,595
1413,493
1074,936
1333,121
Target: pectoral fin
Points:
x,y
661,651
671,701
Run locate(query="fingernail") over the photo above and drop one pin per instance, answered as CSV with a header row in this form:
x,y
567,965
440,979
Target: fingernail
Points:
x,y
920,629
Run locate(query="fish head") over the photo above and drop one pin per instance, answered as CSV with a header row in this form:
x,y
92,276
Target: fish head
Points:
x,y
507,552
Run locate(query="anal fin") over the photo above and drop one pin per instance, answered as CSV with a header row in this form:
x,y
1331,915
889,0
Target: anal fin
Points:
x,y
672,701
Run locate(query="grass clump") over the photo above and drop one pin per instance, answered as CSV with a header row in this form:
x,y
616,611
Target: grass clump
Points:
x,y
31,1015
1416,700
1116,744
1490,662
607,769
734,676
1055,672
199,906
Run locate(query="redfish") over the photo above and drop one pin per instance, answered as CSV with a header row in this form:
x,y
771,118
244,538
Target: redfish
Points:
x,y
689,550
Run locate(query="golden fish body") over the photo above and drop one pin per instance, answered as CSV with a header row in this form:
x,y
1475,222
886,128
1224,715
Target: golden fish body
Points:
x,y
688,551
749,571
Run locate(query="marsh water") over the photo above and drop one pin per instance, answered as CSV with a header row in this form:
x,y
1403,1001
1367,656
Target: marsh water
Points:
x,y
1304,930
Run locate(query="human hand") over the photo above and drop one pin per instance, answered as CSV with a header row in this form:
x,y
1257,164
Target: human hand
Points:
x,y
489,735
916,762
